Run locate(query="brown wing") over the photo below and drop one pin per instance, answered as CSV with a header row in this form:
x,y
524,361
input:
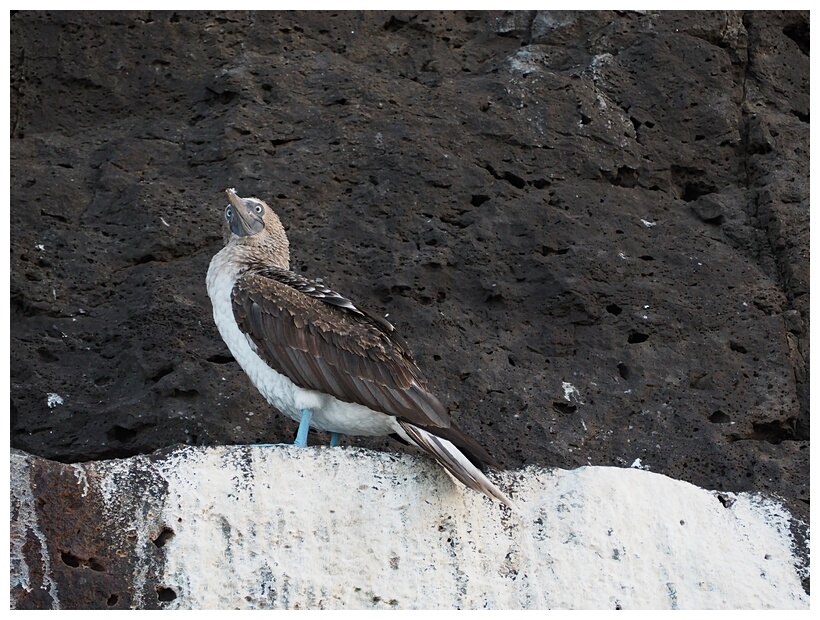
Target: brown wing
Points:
x,y
332,347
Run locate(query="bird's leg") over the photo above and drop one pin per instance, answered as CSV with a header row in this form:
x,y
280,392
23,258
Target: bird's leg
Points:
x,y
335,438
301,434
304,427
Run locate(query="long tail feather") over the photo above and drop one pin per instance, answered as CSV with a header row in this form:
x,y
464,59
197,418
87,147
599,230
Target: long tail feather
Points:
x,y
458,465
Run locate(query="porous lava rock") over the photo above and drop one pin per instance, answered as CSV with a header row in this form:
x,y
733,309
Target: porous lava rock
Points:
x,y
591,227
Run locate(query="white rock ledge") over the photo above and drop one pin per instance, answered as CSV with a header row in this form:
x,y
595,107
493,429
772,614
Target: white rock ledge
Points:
x,y
345,528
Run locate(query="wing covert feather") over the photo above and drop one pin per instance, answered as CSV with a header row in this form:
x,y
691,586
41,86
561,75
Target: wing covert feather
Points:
x,y
328,345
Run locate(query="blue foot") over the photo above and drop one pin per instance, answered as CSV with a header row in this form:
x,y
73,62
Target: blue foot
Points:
x,y
335,438
304,427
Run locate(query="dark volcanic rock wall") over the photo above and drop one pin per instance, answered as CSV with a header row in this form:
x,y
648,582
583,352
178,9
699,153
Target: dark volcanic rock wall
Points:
x,y
591,227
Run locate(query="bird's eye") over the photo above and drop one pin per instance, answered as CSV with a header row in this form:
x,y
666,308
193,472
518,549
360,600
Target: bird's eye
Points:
x,y
228,213
259,209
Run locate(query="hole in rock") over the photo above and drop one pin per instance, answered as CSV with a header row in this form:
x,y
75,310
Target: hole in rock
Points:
x,y
636,337
562,407
164,536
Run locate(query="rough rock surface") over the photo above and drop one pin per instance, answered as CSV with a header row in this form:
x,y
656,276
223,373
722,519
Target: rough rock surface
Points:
x,y
238,527
592,228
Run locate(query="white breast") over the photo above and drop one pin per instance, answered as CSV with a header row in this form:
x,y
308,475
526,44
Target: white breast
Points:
x,y
329,413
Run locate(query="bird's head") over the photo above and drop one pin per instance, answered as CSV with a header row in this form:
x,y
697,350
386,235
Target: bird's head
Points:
x,y
251,222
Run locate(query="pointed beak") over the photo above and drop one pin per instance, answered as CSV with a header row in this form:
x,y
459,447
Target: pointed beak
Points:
x,y
232,195
243,220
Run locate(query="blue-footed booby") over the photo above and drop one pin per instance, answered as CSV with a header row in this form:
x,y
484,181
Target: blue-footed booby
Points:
x,y
319,358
